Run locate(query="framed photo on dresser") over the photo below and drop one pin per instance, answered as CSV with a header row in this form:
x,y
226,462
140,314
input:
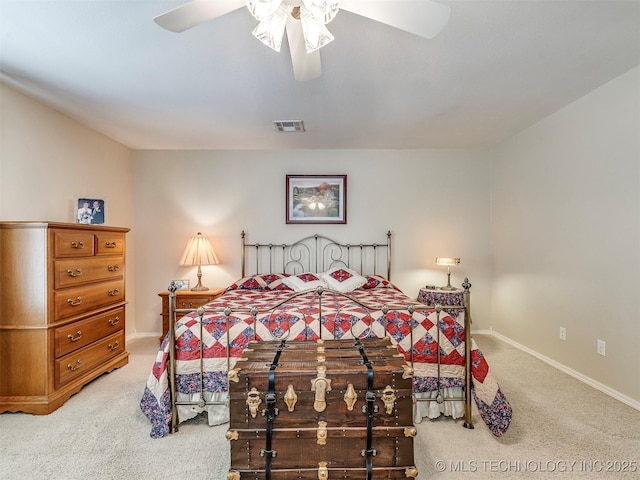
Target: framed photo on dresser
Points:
x,y
181,284
90,211
316,199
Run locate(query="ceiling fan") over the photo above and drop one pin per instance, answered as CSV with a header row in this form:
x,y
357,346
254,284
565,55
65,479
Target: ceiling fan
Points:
x,y
305,22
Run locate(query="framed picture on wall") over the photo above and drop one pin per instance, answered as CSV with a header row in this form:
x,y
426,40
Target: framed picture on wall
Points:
x,y
316,199
91,211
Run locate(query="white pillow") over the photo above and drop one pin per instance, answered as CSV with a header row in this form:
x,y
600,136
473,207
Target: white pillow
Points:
x,y
303,282
343,279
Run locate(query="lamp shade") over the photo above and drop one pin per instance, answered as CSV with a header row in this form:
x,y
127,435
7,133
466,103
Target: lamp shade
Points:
x,y
199,252
447,261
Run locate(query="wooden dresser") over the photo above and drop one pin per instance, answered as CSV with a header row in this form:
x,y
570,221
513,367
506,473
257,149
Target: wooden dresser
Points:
x,y
186,299
62,310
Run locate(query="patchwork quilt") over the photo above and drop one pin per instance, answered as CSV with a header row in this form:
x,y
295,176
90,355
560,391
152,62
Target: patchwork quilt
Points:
x,y
310,315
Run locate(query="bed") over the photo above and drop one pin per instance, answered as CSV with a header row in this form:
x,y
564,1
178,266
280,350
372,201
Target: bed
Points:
x,y
311,289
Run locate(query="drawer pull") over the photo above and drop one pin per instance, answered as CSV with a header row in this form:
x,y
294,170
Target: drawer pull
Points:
x,y
110,244
113,268
76,366
77,244
114,292
114,322
77,273
75,339
75,303
113,346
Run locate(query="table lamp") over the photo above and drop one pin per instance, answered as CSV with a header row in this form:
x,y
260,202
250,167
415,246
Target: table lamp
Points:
x,y
199,252
449,262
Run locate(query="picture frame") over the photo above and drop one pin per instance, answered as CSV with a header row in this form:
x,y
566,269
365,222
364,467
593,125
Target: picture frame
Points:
x,y
90,211
316,199
181,284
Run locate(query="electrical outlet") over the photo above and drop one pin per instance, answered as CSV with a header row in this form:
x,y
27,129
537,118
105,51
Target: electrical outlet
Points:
x,y
563,333
601,347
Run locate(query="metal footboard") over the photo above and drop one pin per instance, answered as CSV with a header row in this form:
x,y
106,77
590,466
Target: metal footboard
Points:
x,y
255,312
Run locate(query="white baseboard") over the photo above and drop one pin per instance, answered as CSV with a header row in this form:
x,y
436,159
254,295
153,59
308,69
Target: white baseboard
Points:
x,y
569,371
135,335
481,332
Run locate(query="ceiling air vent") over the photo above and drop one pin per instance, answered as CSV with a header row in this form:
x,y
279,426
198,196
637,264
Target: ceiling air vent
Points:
x,y
288,125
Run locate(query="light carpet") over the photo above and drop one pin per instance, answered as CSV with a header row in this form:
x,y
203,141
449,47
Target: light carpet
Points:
x,y
561,428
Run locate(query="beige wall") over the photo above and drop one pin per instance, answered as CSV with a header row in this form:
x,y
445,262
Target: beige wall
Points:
x,y
48,161
547,225
434,202
566,235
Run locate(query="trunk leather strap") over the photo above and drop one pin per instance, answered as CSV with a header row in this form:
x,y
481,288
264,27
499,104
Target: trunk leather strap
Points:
x,y
369,409
271,412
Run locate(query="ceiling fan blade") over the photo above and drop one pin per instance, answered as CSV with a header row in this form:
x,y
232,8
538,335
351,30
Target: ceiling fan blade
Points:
x,y
424,18
306,66
196,12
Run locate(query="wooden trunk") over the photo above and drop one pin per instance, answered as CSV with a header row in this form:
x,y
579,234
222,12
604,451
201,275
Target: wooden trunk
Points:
x,y
320,429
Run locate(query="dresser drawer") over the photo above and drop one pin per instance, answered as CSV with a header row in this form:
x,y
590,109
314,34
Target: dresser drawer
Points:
x,y
80,334
71,243
82,361
68,273
194,302
109,243
77,300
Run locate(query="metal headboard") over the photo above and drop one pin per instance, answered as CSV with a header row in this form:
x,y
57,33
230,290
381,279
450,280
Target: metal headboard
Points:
x,y
316,253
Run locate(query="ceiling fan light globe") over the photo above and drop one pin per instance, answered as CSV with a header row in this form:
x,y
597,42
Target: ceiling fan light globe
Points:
x,y
263,9
271,30
322,10
316,34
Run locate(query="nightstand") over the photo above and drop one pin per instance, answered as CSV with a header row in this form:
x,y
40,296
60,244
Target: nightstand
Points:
x,y
186,299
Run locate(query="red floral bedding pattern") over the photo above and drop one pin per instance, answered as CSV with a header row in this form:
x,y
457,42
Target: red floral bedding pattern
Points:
x,y
298,320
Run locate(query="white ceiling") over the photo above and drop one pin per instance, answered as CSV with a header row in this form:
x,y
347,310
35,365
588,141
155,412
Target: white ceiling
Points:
x,y
498,67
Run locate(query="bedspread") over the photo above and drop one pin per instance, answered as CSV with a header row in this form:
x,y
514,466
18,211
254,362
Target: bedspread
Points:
x,y
415,334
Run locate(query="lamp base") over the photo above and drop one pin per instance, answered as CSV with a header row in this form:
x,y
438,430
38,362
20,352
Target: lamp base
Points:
x,y
199,288
448,288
